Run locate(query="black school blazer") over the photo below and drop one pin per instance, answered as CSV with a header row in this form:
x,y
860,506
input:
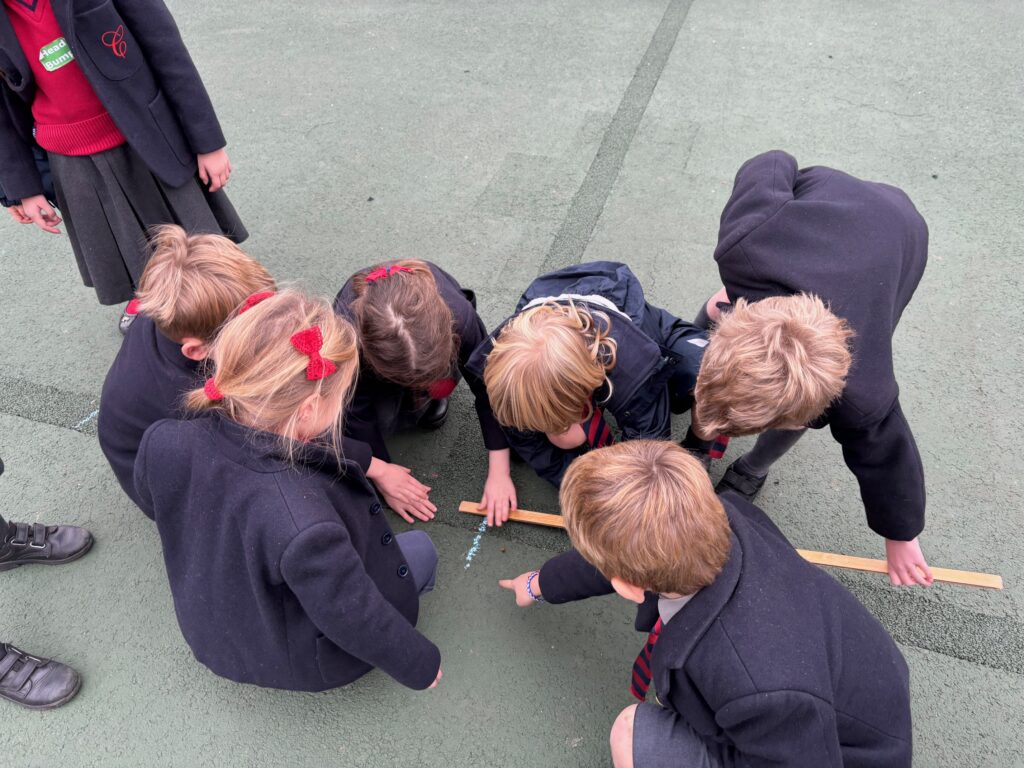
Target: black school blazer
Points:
x,y
154,93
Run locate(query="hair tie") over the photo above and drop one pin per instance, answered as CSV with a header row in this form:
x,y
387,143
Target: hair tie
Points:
x,y
380,273
310,342
255,299
211,390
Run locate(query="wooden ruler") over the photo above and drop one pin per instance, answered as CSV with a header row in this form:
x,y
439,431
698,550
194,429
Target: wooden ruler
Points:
x,y
949,575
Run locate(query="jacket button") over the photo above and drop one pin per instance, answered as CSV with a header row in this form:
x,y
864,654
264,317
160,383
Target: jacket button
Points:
x,y
375,508
386,539
403,571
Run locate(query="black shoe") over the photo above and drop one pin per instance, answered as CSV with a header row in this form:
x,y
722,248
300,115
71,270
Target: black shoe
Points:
x,y
24,544
700,455
740,483
435,415
34,682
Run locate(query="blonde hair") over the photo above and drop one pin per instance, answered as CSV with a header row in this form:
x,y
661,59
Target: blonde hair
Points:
x,y
406,329
546,364
644,511
775,363
262,378
192,283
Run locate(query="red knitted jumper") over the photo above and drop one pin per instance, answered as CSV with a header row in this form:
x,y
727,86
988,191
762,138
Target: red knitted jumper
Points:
x,y
70,119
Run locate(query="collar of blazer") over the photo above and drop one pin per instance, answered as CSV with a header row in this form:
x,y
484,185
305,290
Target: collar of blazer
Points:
x,y
12,58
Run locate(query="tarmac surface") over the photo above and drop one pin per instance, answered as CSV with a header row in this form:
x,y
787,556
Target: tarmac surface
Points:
x,y
501,140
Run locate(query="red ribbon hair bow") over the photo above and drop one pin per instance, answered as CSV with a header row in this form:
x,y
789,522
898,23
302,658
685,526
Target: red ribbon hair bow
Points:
x,y
380,273
255,299
310,342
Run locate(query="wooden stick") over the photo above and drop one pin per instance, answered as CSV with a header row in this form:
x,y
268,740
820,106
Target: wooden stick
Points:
x,y
967,578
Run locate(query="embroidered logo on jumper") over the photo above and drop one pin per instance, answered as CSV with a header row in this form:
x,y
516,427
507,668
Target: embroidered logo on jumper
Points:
x,y
55,55
115,42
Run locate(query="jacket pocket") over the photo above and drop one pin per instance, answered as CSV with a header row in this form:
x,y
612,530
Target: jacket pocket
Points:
x,y
166,121
103,36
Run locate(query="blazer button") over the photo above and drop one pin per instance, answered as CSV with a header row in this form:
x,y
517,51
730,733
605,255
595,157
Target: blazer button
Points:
x,y
403,571
375,508
386,539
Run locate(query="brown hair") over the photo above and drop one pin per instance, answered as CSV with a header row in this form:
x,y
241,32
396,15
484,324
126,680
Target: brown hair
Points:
x,y
644,511
262,378
775,363
193,282
546,364
406,329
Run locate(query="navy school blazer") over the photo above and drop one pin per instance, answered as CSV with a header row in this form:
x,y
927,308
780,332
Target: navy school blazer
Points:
x,y
775,662
360,423
862,247
285,576
154,93
649,348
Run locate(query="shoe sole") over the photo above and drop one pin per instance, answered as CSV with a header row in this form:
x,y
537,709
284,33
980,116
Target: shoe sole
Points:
x,y
52,704
69,559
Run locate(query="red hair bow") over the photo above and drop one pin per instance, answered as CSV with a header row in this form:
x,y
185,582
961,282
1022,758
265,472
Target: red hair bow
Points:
x,y
441,389
255,299
310,342
380,273
210,388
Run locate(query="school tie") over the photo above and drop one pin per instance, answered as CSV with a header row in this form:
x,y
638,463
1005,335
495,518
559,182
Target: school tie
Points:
x,y
642,666
599,434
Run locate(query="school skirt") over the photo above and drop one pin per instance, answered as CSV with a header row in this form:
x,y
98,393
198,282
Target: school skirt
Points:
x,y
111,199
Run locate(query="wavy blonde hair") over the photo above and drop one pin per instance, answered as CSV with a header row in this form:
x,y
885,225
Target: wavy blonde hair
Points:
x,y
644,511
262,377
771,364
546,364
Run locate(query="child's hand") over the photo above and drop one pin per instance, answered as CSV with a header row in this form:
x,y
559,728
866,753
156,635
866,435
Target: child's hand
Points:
x,y
38,212
402,492
518,585
437,679
214,169
906,563
499,490
573,437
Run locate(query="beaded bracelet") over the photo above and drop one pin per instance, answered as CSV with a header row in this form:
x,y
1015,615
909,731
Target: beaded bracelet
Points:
x,y
529,588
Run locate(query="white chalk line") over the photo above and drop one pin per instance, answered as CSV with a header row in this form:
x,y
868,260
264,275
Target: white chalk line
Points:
x,y
476,543
87,420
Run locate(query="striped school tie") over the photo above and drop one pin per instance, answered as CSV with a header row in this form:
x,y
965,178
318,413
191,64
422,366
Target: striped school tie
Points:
x,y
642,666
718,446
599,434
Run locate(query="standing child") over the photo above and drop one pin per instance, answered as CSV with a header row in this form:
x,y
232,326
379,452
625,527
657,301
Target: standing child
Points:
x,y
584,341
109,91
758,658
283,570
862,247
418,327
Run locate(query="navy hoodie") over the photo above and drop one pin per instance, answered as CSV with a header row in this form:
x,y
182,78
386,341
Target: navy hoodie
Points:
x,y
862,247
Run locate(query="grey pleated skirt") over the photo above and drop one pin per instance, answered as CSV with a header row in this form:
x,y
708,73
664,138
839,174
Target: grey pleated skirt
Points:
x,y
111,199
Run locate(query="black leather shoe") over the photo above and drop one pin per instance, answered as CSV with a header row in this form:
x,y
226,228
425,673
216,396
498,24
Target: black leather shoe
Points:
x,y
34,682
24,544
736,481
435,415
700,455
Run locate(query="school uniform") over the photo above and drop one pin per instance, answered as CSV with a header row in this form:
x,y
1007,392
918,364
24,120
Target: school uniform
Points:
x,y
657,359
862,247
109,91
286,576
774,663
380,408
147,382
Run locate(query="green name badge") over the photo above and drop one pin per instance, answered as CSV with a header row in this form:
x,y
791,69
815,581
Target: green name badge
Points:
x,y
55,55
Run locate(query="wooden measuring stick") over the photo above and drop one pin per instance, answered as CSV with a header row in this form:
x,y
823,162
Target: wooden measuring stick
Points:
x,y
967,578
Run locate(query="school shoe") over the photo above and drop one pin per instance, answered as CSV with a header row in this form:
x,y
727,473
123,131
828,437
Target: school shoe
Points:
x,y
131,311
25,544
435,415
739,482
700,455
34,682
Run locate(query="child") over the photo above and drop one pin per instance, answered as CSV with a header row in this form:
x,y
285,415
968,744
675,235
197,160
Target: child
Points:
x,y
417,327
109,91
758,658
584,341
283,570
862,247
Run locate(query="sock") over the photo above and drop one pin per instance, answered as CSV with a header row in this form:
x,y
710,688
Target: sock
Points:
x,y
768,449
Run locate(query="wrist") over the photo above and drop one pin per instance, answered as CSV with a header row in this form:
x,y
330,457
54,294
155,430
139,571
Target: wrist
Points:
x,y
376,468
499,462
533,587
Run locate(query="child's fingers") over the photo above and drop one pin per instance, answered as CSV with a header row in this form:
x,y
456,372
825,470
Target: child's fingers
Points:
x,y
404,515
203,175
507,584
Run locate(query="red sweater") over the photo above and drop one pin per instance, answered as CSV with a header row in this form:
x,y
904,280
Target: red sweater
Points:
x,y
70,119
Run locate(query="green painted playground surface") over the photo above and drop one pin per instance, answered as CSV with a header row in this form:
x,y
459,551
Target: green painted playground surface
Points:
x,y
501,140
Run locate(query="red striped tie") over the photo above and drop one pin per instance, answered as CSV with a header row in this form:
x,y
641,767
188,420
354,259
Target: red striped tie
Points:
x,y
599,434
642,666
